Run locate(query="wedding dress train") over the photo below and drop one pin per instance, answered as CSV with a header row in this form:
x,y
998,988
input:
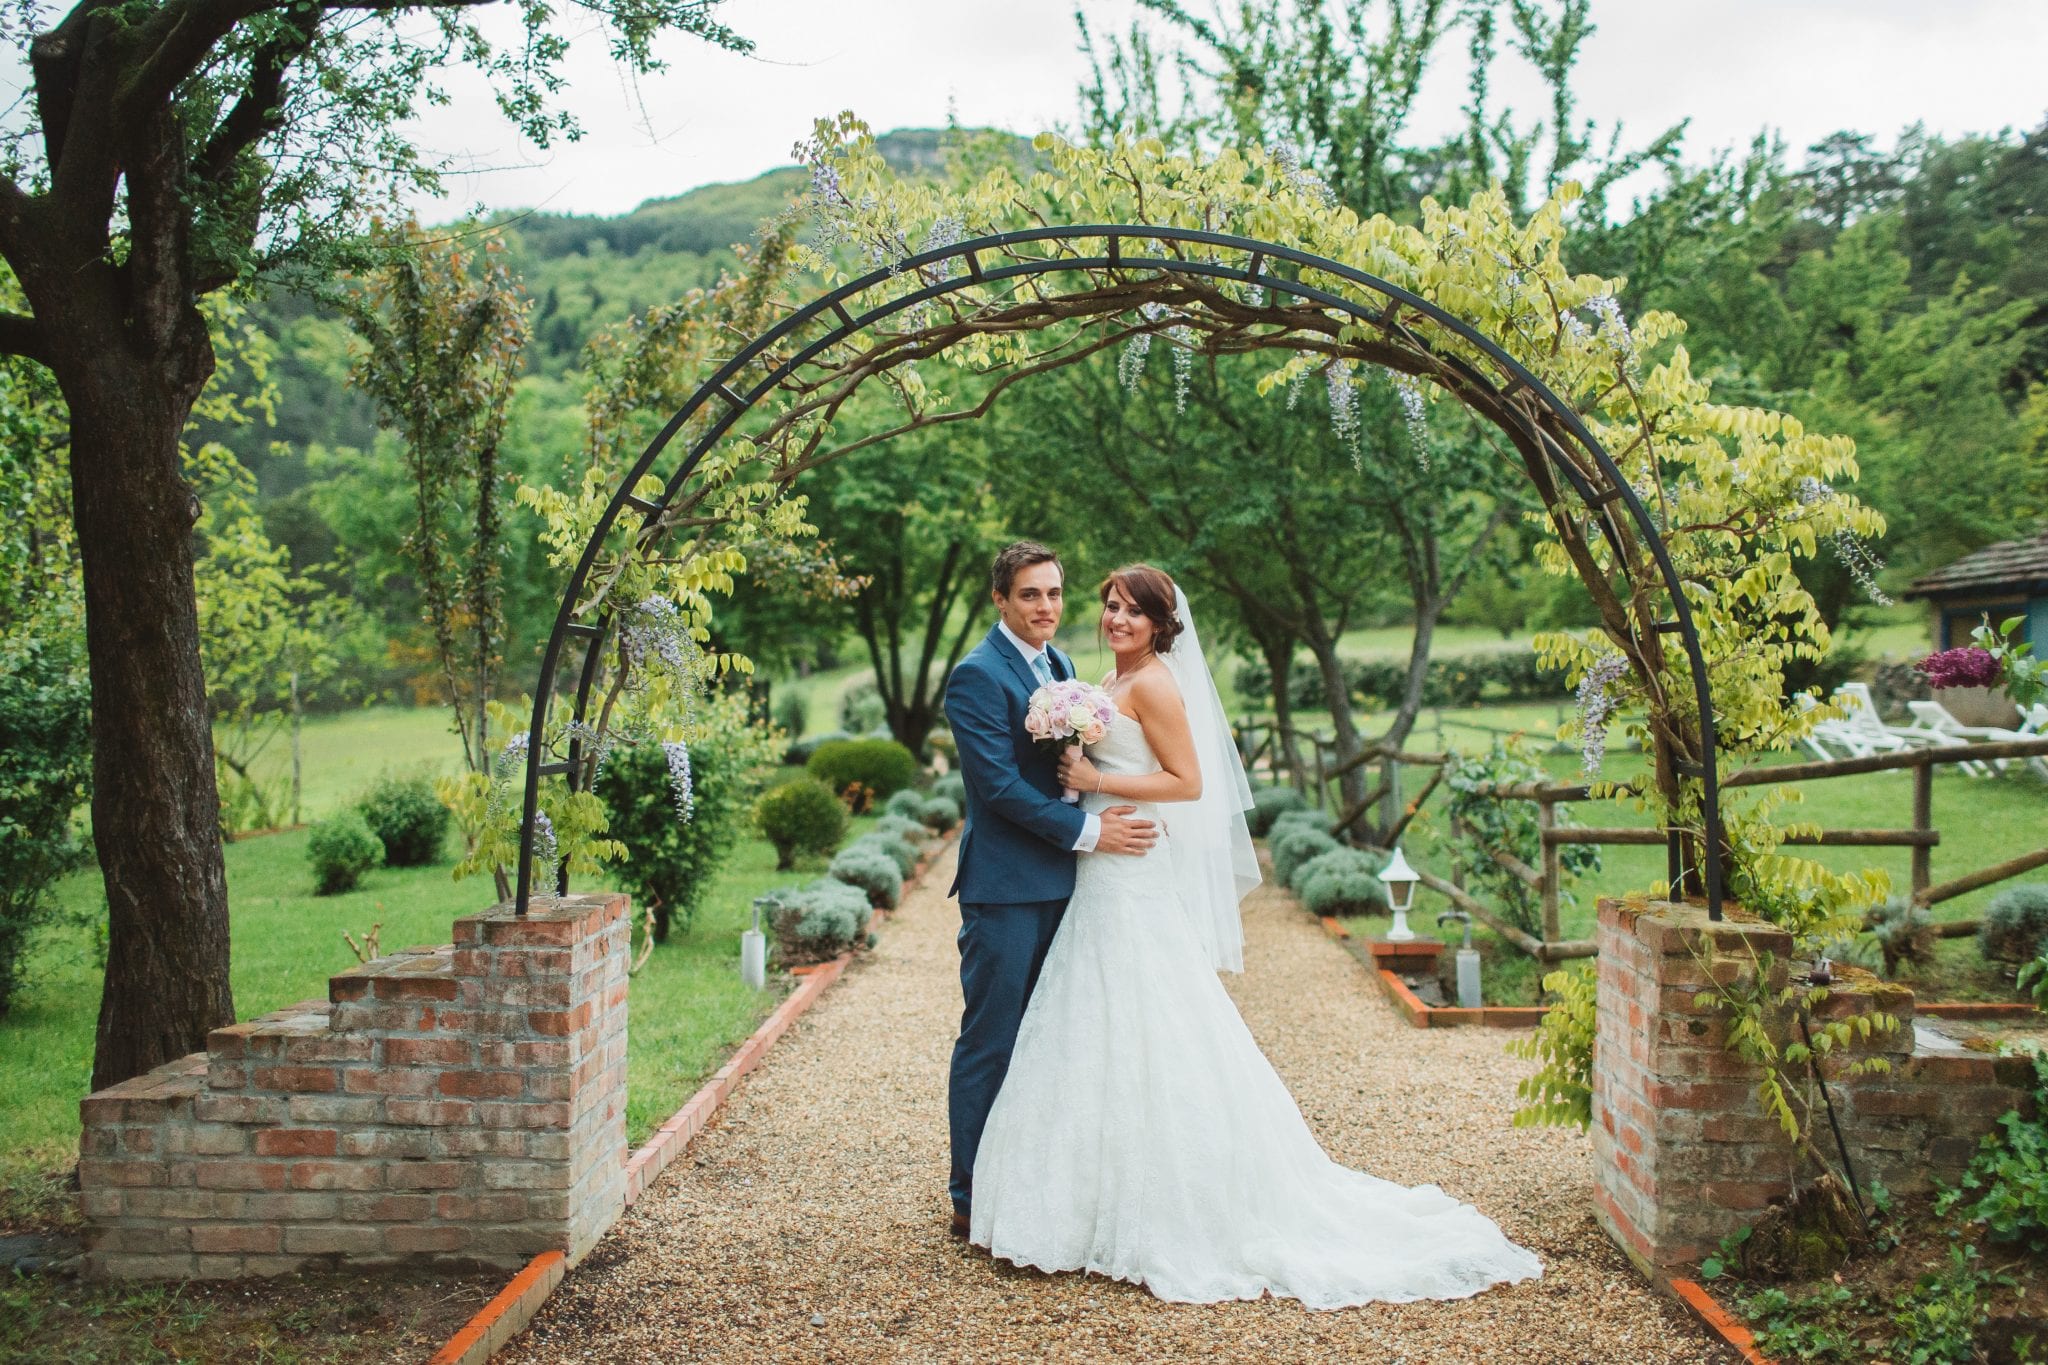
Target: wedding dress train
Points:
x,y
1141,1134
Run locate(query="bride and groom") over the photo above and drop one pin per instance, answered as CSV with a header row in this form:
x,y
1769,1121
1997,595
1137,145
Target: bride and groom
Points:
x,y
1110,1112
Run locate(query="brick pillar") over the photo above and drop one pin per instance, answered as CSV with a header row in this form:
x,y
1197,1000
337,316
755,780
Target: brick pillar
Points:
x,y
549,990
1682,1153
464,1103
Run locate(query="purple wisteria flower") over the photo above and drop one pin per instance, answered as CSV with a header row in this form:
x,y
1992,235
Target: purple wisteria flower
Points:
x,y
1416,411
680,780
1343,405
547,852
1967,666
1183,365
1596,708
1862,563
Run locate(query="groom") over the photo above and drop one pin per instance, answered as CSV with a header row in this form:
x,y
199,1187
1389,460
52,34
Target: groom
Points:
x,y
1016,868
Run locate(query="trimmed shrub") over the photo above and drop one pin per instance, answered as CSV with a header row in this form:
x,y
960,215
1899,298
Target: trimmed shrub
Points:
x,y
906,805
1903,933
2015,923
1343,883
792,713
1299,819
1296,847
801,817
939,814
899,851
882,767
820,921
953,787
407,818
342,850
872,870
1269,804
671,861
862,710
799,751
911,832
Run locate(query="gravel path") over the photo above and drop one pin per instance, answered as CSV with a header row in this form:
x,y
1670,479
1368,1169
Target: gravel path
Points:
x,y
808,1222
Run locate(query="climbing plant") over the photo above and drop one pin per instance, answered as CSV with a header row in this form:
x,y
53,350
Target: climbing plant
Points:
x,y
1736,494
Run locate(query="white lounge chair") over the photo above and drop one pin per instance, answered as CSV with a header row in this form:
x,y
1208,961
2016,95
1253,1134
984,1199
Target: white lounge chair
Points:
x,y
1863,732
2034,725
1935,719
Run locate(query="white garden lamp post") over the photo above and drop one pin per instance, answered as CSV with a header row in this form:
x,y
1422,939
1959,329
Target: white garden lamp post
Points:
x,y
1399,879
754,948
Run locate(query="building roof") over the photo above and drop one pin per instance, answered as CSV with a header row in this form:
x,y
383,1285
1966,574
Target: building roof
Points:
x,y
2020,565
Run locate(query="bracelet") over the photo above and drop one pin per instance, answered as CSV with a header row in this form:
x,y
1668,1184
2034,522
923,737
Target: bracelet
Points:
x,y
1099,775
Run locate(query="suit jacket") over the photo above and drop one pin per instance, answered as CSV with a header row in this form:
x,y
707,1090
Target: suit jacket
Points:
x,y
1019,841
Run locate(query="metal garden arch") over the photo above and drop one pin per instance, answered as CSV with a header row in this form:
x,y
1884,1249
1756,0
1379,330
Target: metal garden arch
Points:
x,y
1600,488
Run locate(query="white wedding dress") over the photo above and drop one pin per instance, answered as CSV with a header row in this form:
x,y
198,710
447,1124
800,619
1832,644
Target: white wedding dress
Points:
x,y
1141,1134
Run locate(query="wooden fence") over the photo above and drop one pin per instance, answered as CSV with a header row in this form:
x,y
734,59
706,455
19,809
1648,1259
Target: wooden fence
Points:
x,y
1921,835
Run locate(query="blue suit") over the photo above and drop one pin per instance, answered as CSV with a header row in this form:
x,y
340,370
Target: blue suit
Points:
x,y
1015,876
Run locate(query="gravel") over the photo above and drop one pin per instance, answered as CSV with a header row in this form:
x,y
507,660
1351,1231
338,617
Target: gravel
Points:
x,y
809,1221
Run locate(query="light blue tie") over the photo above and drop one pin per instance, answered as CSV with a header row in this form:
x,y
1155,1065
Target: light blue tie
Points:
x,y
1041,668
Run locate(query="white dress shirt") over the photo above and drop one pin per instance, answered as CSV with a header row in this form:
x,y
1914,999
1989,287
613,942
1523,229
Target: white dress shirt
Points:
x,y
1091,827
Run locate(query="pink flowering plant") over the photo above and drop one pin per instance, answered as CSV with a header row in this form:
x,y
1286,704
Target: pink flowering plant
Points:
x,y
1067,715
1994,658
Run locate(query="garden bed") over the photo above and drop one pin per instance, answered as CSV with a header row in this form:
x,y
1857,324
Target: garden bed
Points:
x,y
1941,1292
339,1317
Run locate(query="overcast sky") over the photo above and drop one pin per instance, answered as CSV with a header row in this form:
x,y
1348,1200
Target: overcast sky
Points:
x,y
1804,68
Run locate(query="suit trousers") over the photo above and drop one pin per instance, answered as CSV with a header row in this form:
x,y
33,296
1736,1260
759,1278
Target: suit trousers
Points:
x,y
1001,949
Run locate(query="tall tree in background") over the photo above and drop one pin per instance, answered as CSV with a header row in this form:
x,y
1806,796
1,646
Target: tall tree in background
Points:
x,y
174,148
443,327
915,518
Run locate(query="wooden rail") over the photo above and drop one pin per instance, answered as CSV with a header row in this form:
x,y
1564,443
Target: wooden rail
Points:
x,y
1921,836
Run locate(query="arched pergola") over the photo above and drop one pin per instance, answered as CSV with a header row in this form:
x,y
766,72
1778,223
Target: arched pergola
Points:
x,y
1558,449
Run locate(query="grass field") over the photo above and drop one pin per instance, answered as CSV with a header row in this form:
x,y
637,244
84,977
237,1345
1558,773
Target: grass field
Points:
x,y
688,1004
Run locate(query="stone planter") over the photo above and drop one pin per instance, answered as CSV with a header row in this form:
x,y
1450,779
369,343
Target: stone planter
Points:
x,y
1979,706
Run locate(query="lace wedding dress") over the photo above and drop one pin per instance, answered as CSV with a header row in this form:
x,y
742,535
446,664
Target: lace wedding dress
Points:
x,y
1141,1134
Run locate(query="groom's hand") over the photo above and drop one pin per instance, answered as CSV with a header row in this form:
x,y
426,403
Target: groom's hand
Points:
x,y
1122,834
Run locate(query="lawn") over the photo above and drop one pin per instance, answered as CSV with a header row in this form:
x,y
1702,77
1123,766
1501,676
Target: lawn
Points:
x,y
343,752
688,1004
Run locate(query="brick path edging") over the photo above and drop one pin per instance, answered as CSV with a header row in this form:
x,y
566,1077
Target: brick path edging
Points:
x,y
507,1314
1719,1321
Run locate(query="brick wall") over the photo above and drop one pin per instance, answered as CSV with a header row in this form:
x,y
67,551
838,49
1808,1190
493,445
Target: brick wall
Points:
x,y
462,1103
1683,1153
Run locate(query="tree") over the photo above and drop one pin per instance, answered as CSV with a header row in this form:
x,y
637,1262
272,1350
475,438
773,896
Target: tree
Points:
x,y
443,331
916,520
1307,524
176,148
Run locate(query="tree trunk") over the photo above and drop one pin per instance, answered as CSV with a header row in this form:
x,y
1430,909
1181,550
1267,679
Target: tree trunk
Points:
x,y
155,806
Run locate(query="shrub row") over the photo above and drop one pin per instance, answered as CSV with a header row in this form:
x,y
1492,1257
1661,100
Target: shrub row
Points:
x,y
1452,680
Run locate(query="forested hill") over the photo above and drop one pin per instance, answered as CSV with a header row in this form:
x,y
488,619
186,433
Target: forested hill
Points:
x,y
583,271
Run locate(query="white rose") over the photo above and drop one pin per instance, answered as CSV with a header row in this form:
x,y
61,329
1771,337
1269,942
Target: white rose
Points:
x,y
1080,717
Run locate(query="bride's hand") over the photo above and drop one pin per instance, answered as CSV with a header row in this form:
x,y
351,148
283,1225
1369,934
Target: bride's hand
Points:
x,y
1078,773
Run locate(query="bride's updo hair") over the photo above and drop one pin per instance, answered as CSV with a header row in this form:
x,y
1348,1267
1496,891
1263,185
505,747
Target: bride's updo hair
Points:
x,y
1150,590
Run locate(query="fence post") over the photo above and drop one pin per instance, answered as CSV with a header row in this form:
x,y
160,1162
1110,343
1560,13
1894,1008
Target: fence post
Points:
x,y
1546,820
1923,820
1390,803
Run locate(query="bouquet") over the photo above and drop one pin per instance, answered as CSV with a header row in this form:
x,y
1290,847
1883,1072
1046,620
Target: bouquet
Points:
x,y
1063,716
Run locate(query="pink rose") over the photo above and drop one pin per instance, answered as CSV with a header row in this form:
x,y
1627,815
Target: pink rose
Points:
x,y
1038,725
1094,733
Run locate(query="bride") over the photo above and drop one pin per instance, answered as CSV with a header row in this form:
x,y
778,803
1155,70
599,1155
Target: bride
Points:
x,y
1140,1133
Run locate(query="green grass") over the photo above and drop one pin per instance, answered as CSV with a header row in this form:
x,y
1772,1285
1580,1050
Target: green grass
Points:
x,y
342,753
688,1004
